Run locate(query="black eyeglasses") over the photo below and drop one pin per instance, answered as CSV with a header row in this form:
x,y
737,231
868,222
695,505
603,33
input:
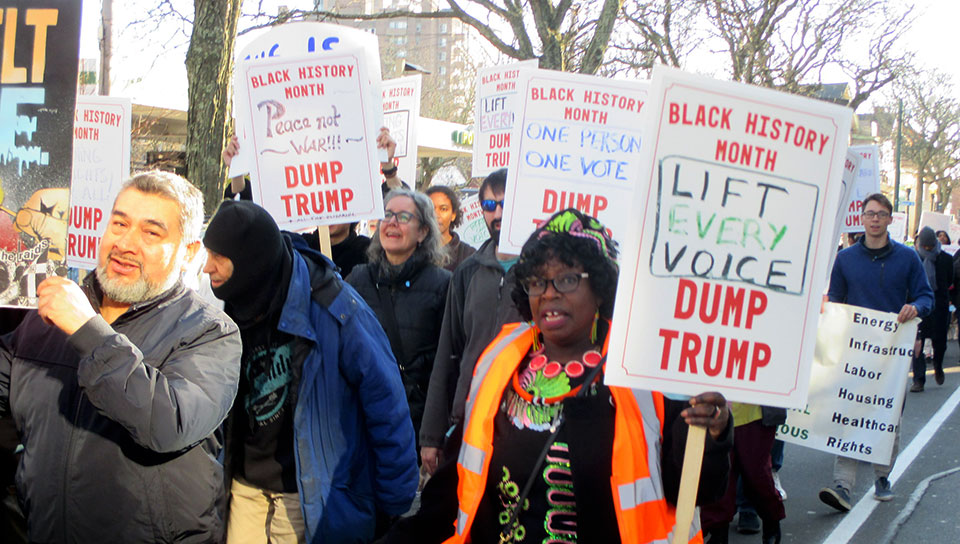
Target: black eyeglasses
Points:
x,y
490,205
562,284
401,217
879,215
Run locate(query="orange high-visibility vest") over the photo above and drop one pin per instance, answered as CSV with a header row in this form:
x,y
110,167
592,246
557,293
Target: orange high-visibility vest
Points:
x,y
643,514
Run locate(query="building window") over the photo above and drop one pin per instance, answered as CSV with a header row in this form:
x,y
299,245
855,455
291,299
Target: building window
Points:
x,y
443,70
443,28
401,53
398,24
443,56
442,42
419,28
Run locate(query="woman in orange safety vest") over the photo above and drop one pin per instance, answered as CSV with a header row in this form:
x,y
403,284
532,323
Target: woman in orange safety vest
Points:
x,y
549,453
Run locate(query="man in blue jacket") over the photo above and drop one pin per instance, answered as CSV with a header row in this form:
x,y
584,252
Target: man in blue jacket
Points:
x,y
320,447
880,274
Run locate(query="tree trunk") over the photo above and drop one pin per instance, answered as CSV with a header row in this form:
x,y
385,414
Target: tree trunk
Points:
x,y
106,46
209,77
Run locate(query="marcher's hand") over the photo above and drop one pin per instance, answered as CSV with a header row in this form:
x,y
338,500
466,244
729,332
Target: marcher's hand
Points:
x,y
430,458
62,303
229,152
908,312
385,141
708,410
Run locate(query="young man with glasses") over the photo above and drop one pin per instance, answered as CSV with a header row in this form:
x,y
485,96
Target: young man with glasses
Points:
x,y
880,274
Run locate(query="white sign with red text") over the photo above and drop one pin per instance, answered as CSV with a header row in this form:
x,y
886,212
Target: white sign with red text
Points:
x,y
401,109
726,256
868,182
495,107
576,144
313,138
101,163
898,227
473,229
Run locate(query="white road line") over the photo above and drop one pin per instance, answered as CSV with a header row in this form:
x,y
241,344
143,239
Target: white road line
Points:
x,y
861,511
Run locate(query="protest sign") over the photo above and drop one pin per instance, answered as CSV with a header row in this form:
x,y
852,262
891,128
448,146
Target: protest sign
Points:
x,y
936,221
313,139
101,163
495,107
867,183
473,229
575,144
848,179
401,110
856,384
38,85
298,39
898,227
726,259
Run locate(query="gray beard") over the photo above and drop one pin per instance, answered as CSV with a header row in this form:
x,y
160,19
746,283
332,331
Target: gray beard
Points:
x,y
138,291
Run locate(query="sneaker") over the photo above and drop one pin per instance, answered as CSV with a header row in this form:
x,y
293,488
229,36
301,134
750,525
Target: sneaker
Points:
x,y
779,486
748,523
882,490
916,388
938,374
837,497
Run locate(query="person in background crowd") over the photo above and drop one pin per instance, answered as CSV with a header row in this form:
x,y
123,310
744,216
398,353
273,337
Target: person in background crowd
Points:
x,y
319,444
548,450
478,305
404,284
753,437
118,388
446,204
943,237
349,248
748,521
938,267
880,274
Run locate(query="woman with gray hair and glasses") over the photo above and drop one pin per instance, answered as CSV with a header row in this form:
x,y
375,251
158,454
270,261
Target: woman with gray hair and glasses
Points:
x,y
405,285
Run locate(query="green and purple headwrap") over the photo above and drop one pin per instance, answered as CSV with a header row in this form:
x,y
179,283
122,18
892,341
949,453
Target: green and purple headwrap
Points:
x,y
580,225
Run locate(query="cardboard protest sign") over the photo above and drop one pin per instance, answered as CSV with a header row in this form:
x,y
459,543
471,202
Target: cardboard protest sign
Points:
x,y
936,221
401,110
867,183
473,229
856,384
38,85
101,163
726,256
313,139
575,144
898,227
495,107
299,39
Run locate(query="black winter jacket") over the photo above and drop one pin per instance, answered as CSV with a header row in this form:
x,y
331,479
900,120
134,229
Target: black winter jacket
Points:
x,y
418,295
119,422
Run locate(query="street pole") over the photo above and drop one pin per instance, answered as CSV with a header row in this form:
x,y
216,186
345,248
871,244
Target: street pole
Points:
x,y
896,174
106,45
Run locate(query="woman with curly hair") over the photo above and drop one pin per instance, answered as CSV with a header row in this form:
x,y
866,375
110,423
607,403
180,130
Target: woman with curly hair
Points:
x,y
446,204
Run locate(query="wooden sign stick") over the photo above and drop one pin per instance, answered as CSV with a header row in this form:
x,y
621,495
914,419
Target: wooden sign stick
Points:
x,y
324,232
689,482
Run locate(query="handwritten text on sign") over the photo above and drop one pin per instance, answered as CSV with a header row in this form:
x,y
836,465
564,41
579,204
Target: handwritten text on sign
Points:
x,y
576,145
497,102
723,268
313,141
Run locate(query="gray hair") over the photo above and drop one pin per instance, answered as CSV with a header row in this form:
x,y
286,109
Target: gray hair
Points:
x,y
168,185
431,248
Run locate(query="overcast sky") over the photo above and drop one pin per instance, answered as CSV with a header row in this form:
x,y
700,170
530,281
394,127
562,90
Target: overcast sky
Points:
x,y
161,80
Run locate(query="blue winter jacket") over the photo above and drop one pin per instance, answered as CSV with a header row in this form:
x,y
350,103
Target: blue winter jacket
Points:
x,y
353,437
885,282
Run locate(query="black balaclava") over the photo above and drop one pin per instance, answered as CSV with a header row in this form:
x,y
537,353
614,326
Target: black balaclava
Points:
x,y
246,234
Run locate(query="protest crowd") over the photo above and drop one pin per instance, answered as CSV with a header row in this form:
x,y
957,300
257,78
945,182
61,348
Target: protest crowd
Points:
x,y
234,379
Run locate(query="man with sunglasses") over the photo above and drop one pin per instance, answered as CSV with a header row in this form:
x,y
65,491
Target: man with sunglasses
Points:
x,y
478,305
880,274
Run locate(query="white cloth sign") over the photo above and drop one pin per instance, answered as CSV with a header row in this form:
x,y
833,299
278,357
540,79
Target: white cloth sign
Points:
x,y
726,256
313,138
856,384
101,163
495,107
576,144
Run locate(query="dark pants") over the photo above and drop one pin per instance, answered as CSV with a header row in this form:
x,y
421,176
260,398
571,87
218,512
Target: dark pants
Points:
x,y
750,463
939,342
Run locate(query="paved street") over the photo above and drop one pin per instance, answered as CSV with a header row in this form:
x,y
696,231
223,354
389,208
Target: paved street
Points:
x,y
926,480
